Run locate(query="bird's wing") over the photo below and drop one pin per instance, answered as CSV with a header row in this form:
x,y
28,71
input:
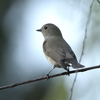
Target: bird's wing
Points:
x,y
72,53
57,55
63,56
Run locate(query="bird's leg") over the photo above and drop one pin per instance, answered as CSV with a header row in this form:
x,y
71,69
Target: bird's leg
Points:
x,y
64,64
68,64
68,71
49,73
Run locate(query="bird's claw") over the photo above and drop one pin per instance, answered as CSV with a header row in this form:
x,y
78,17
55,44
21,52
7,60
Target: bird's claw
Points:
x,y
68,71
47,76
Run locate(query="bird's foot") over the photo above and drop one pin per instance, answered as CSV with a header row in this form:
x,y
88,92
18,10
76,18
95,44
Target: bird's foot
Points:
x,y
68,71
47,76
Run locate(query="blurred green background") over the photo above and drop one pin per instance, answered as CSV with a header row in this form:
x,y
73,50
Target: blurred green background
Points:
x,y
22,58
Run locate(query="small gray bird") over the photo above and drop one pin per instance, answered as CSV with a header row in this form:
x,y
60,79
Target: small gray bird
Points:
x,y
56,49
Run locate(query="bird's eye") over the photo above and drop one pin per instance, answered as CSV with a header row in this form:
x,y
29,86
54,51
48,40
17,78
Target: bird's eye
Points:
x,y
45,27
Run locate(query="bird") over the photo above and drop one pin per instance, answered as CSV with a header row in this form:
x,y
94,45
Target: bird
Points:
x,y
57,50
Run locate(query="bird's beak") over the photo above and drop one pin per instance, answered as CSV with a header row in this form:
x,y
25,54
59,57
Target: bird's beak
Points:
x,y
39,30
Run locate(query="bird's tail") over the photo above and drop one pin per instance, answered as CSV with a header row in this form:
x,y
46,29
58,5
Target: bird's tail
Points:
x,y
74,63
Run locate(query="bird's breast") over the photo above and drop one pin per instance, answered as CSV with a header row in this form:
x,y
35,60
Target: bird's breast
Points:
x,y
51,60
